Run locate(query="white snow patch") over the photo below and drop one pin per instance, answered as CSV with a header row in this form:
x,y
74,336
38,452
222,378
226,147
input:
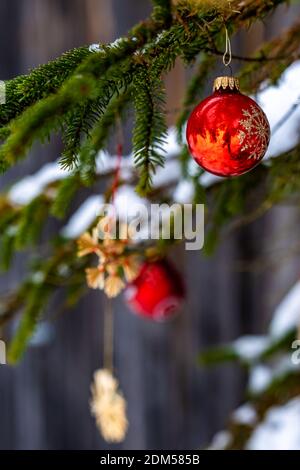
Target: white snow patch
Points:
x,y
285,365
184,192
95,48
260,378
192,167
164,175
245,414
128,203
38,277
12,230
83,217
279,430
250,348
207,179
287,314
172,146
160,36
117,42
31,186
276,101
108,163
220,441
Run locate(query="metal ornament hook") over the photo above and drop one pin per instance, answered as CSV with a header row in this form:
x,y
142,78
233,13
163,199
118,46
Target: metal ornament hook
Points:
x,y
227,57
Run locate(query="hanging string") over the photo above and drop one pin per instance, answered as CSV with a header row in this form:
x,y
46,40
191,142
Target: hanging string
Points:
x,y
227,56
120,143
108,340
108,333
117,172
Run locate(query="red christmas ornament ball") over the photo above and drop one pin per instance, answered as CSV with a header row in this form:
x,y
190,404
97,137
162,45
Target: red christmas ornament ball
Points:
x,y
157,292
228,133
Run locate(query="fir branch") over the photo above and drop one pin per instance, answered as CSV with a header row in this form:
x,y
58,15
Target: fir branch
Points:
x,y
229,200
162,12
96,64
228,352
31,222
84,117
283,49
99,136
47,276
8,214
279,181
47,115
290,161
150,127
4,133
11,303
66,190
280,391
251,10
74,127
36,301
7,243
184,39
25,90
90,86
218,355
184,159
283,177
39,120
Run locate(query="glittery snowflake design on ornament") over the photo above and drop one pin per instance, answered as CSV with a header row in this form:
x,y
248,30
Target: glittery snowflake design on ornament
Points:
x,y
256,134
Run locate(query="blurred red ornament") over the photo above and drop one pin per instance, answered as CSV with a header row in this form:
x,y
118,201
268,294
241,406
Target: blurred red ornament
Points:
x,y
157,292
228,133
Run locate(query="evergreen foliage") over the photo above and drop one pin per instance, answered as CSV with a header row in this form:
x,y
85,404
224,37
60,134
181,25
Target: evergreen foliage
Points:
x,y
84,94
150,127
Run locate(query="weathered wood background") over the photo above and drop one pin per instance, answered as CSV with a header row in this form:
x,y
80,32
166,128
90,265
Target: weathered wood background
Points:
x,y
173,404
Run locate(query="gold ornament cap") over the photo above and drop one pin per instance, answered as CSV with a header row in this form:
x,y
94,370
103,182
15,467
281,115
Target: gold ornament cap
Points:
x,y
222,83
